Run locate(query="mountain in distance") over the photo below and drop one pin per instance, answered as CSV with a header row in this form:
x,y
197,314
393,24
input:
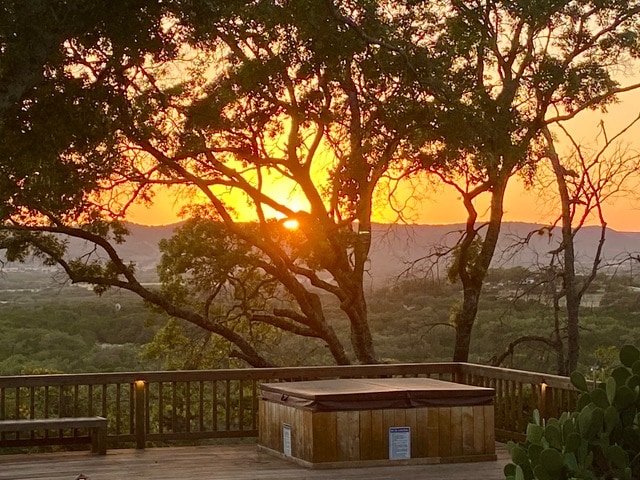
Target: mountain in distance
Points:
x,y
395,248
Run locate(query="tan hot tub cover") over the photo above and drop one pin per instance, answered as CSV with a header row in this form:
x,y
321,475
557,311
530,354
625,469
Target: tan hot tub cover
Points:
x,y
368,394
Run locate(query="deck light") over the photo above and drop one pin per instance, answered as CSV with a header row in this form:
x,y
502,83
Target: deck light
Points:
x,y
543,400
139,387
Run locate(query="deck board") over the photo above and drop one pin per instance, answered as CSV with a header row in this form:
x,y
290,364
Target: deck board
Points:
x,y
222,462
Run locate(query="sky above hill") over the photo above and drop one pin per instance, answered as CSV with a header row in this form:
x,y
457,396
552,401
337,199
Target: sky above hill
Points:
x,y
441,208
442,205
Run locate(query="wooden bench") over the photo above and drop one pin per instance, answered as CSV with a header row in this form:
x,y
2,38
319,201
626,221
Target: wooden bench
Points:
x,y
97,427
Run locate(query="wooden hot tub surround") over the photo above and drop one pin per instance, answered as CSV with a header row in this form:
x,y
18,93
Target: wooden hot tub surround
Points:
x,y
349,422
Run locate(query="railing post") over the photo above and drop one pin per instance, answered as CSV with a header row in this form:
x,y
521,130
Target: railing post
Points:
x,y
542,401
458,375
139,413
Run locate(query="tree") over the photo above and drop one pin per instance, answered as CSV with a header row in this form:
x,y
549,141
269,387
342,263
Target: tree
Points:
x,y
323,100
60,64
519,68
585,182
268,94
579,183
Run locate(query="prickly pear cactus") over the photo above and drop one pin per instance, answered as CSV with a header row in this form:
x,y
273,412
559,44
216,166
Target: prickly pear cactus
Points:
x,y
601,440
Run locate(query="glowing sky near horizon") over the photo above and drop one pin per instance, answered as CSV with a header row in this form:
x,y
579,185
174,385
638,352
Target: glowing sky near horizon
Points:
x,y
443,206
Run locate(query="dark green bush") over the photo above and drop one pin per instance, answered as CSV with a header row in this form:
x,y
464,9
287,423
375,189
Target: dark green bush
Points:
x,y
601,440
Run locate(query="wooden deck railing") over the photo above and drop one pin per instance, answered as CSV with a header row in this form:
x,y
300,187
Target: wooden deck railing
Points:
x,y
143,408
518,394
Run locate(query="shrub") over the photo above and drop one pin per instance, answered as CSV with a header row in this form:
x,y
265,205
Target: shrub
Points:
x,y
601,440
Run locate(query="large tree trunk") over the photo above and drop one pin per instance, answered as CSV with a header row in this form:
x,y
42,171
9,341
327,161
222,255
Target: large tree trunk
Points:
x,y
358,314
573,308
571,291
464,321
561,365
472,267
353,303
361,338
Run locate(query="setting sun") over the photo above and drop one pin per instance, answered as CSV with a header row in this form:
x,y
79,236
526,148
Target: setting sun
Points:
x,y
291,224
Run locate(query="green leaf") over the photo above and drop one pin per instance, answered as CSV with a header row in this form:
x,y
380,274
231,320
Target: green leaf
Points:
x,y
568,427
601,398
519,455
629,354
585,418
631,436
510,470
570,461
534,452
534,433
583,401
634,380
552,460
579,381
625,397
573,442
553,436
621,374
597,422
611,418
536,417
527,471
590,422
542,474
588,459
627,417
618,456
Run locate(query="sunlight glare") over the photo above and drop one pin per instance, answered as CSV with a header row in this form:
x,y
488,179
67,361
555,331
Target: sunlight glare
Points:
x,y
291,224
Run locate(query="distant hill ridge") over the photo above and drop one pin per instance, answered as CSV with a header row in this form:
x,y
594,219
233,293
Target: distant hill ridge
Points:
x,y
399,244
395,247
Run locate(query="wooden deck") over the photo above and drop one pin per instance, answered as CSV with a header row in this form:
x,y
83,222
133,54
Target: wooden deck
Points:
x,y
222,462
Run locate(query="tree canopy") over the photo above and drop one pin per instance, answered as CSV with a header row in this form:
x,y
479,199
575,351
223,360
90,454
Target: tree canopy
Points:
x,y
265,111
253,105
519,68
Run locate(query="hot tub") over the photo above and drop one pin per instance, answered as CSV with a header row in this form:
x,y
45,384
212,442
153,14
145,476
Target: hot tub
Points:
x,y
362,422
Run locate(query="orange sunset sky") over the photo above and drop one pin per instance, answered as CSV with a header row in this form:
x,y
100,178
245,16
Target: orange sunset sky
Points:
x,y
443,207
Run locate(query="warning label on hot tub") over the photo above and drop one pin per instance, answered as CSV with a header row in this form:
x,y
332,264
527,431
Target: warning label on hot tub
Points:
x,y
286,439
399,443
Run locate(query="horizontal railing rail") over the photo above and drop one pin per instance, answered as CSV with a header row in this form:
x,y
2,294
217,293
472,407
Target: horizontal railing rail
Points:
x,y
146,408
